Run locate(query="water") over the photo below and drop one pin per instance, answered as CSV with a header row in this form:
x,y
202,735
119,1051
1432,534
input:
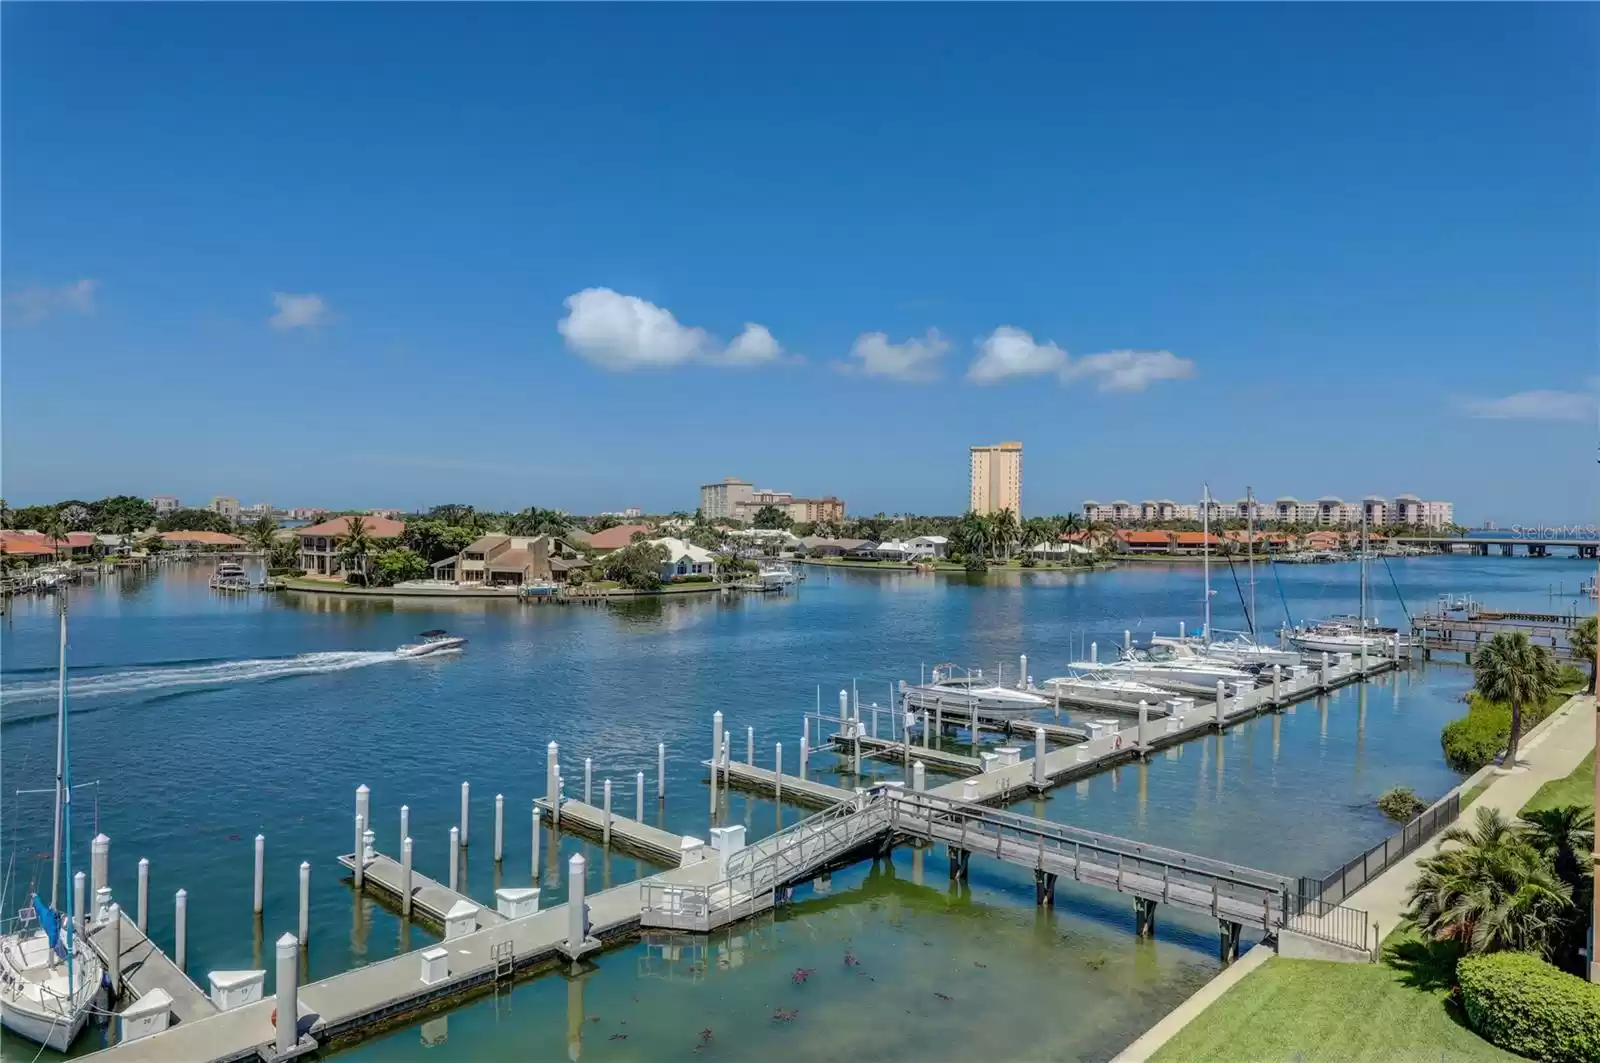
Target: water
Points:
x,y
209,719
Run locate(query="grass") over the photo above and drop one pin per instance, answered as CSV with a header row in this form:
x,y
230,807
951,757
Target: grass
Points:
x,y
1574,789
1311,1011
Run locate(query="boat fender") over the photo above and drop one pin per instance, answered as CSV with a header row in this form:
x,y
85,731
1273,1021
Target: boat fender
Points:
x,y
1118,743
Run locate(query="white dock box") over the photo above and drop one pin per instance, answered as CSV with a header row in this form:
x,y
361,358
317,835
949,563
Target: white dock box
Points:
x,y
969,790
151,1013
516,903
988,760
235,989
691,850
435,965
460,920
727,840
1009,755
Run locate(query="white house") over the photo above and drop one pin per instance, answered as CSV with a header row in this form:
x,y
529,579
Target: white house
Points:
x,y
1058,551
684,559
893,550
928,546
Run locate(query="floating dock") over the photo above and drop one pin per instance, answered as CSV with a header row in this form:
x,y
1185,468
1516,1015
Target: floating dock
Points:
x,y
431,899
145,969
660,847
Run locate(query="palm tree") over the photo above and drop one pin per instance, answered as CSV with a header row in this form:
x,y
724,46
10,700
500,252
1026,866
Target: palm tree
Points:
x,y
263,534
1510,668
1493,892
1565,835
55,530
1006,529
1582,638
356,546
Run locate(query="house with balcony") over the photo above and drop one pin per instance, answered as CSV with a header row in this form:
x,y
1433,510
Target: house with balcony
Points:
x,y
498,560
322,545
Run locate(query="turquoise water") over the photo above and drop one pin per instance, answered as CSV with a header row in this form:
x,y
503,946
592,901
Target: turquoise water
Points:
x,y
208,720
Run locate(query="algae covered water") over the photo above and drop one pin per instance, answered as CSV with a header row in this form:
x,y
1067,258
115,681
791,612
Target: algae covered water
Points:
x,y
208,719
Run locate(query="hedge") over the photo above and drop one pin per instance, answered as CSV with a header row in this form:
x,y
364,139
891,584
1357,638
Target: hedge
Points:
x,y
1478,737
1522,1004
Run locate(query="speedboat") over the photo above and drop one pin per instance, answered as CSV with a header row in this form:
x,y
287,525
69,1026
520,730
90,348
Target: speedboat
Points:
x,y
1163,667
436,641
1096,686
776,574
1239,650
971,691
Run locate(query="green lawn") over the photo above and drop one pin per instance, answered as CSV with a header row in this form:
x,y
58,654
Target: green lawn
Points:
x,y
1574,789
1309,1011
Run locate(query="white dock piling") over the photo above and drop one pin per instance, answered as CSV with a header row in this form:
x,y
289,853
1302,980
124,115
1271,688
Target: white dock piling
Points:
x,y
1094,652
99,864
874,719
305,903
1038,757
551,793
750,746
716,752
261,871
114,953
577,908
466,800
361,841
777,768
605,824
79,899
844,708
364,802
405,822
499,827
1144,725
534,863
661,771
922,718
638,797
1322,674
143,921
1277,679
405,876
1127,639
288,994
1022,672
180,929
804,752
1363,658
1180,629
1220,695
919,777
455,855
588,780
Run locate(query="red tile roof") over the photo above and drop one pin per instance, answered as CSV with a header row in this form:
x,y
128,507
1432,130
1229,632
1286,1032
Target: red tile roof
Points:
x,y
18,545
377,527
1145,538
202,538
1194,538
616,538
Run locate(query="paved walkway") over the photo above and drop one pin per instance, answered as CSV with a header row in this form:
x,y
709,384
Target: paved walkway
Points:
x,y
1552,751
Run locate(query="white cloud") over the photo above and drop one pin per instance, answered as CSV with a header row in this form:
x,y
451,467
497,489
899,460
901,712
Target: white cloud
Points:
x,y
29,306
914,360
1009,352
1534,406
623,332
1128,370
299,311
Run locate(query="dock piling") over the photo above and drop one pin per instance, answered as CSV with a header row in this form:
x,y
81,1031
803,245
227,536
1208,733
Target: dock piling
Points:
x,y
1180,630
364,802
99,864
499,827
551,795
114,969
1022,672
750,746
638,797
777,769
305,903
844,709
405,877
1221,694
1039,778
1144,723
577,907
466,795
79,899
1094,652
405,822
588,780
455,856
180,929
1127,639
261,872
535,860
661,771
288,993
919,777
803,754
361,841
605,823
716,752
874,719
144,895
1277,679
1322,673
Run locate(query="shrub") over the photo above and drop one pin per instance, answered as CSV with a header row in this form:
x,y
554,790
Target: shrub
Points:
x,y
690,579
1401,804
1571,677
1524,1005
1478,737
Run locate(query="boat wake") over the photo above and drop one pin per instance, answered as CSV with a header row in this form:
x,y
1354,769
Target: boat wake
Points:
x,y
160,680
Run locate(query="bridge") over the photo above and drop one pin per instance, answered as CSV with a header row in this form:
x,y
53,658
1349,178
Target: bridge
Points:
x,y
1483,545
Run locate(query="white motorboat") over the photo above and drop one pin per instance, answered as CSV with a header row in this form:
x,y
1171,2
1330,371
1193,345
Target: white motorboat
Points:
x,y
776,574
971,691
230,576
1095,687
1162,666
1238,651
430,642
49,975
1339,637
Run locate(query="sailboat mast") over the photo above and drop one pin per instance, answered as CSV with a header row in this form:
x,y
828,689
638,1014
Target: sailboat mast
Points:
x,y
61,756
1250,551
1205,553
1363,568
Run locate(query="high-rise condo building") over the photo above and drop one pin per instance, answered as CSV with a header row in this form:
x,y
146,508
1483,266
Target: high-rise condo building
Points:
x,y
996,482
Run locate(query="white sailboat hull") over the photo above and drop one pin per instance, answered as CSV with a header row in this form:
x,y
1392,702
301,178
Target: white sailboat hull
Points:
x,y
52,1031
1313,643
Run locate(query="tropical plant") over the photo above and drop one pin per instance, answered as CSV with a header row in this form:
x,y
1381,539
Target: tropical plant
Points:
x,y
536,521
262,534
355,546
1509,668
637,566
1565,835
1004,531
283,556
1526,1006
397,565
1582,638
771,517
1494,891
1401,804
153,544
55,532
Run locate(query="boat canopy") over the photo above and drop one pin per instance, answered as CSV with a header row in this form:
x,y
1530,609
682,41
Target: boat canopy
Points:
x,y
434,633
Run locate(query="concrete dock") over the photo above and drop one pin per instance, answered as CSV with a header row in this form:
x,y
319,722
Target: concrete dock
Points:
x,y
943,760
795,789
430,899
661,847
146,968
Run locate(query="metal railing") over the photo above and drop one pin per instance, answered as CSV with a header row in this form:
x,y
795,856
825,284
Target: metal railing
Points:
x,y
1350,927
1334,888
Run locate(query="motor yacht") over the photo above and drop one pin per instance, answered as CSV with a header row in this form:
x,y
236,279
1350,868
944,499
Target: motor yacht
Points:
x,y
1163,667
1097,686
951,690
430,642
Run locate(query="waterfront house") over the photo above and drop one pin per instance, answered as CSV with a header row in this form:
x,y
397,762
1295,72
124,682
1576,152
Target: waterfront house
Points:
x,y
892,550
1058,551
1142,542
684,559
822,546
603,542
1195,542
201,541
26,546
512,560
866,550
929,547
321,544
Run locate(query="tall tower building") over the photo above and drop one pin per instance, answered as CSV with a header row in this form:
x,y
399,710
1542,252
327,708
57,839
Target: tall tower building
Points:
x,y
996,482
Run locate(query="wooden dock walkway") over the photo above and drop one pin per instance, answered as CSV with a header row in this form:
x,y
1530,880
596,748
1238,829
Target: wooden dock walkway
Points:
x,y
391,990
658,846
146,968
428,898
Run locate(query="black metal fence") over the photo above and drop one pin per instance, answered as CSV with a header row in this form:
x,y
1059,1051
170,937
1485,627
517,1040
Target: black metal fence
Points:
x,y
1333,922
1336,887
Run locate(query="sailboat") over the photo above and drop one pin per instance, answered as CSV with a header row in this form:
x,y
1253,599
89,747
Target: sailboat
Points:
x,y
50,978
1345,634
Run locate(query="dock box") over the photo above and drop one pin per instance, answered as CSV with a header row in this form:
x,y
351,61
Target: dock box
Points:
x,y
235,989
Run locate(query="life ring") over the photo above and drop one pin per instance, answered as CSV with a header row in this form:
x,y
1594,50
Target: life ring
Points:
x,y
1115,745
274,1018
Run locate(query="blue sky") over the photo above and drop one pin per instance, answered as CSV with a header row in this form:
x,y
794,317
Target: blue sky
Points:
x,y
594,256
